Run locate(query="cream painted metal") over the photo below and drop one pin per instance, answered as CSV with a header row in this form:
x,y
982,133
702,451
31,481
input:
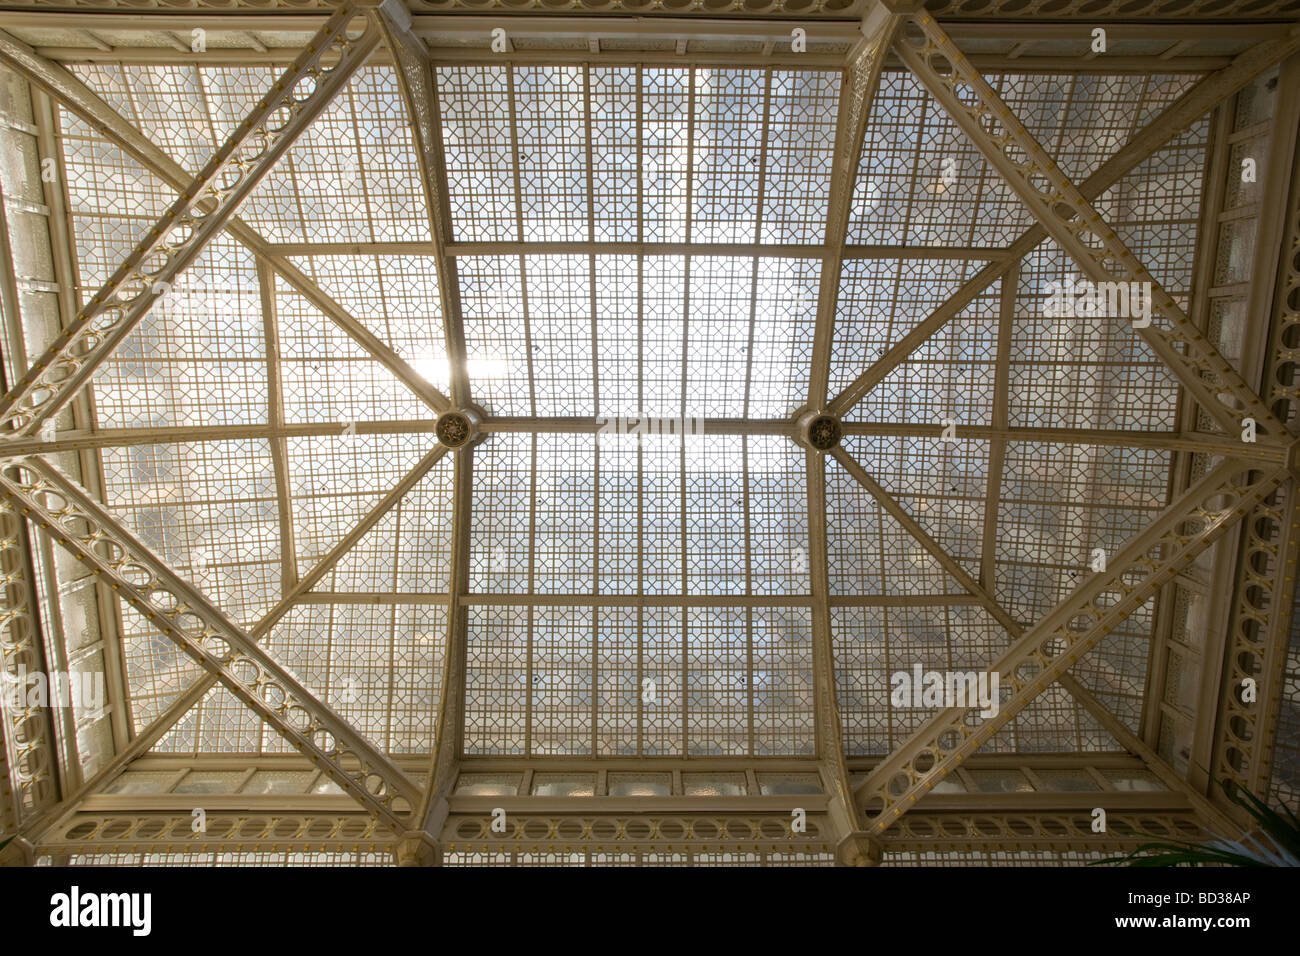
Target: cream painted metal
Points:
x,y
1076,690
79,440
1037,658
1263,451
851,845
71,93
1070,219
345,544
1187,527
29,751
1262,612
857,95
205,205
242,832
448,747
196,692
84,528
940,834
1193,104
949,564
416,77
755,20
419,87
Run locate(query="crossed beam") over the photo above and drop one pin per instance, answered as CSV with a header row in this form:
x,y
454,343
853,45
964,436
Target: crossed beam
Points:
x,y
67,512
75,96
195,693
1044,654
1036,659
70,515
196,217
1193,104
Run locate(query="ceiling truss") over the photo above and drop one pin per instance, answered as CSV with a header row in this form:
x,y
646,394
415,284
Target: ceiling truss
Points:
x,y
1197,101
203,208
52,501
1039,656
69,91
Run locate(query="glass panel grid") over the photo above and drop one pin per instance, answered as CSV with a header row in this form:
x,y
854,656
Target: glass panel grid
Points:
x,y
627,153
610,680
209,510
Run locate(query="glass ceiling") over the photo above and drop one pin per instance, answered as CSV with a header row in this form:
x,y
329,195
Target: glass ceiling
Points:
x,y
696,546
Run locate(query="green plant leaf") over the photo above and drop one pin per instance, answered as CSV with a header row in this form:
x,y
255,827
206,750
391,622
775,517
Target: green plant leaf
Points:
x,y
1279,845
1283,831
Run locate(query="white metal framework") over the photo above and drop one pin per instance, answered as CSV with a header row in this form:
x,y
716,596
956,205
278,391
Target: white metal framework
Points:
x,y
557,447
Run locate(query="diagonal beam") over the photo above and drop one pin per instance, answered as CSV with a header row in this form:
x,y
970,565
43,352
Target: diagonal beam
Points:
x,y
1212,815
842,808
196,691
1072,221
348,542
204,206
922,333
65,510
949,564
1191,523
1116,727
345,320
1189,107
999,613
177,710
419,89
857,93
69,91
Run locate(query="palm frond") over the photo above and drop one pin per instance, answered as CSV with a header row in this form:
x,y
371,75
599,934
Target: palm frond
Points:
x,y
1277,843
1283,831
